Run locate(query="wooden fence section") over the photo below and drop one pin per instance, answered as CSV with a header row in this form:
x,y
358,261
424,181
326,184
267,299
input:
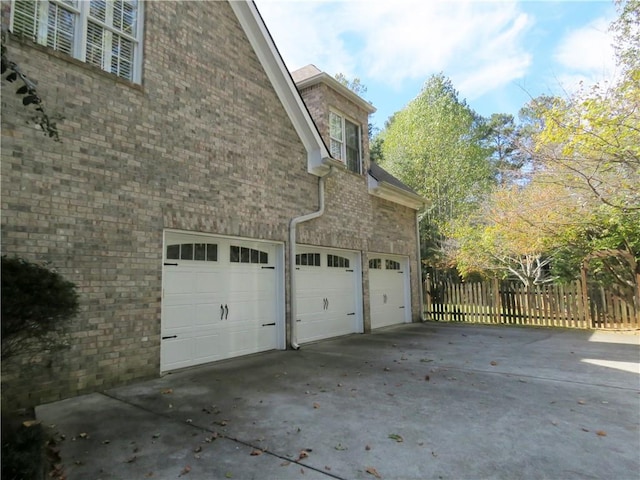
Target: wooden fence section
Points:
x,y
574,305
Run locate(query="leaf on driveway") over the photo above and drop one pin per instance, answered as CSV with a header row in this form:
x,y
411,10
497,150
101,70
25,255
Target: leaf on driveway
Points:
x,y
185,470
167,391
396,437
316,405
367,447
372,471
581,402
601,433
131,459
198,449
340,447
303,454
256,452
494,363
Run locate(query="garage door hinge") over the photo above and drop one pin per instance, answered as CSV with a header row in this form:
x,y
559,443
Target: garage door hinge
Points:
x,y
171,264
269,268
351,313
268,324
172,336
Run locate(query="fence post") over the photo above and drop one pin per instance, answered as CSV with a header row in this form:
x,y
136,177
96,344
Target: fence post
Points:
x,y
497,306
585,296
427,308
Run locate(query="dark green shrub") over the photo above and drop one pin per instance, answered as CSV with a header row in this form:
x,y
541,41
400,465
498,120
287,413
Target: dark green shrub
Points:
x,y
37,303
23,451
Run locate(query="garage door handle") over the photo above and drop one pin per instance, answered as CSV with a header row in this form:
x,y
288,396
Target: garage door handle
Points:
x,y
384,298
221,312
269,324
171,264
226,312
401,306
172,336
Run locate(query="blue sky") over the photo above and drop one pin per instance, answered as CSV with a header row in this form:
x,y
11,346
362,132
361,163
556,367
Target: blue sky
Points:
x,y
497,53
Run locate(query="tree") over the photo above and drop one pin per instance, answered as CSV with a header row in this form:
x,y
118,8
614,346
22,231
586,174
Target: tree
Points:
x,y
354,85
436,146
517,233
36,304
503,137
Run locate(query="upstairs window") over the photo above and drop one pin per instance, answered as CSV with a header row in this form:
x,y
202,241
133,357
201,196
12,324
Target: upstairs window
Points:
x,y
104,33
345,141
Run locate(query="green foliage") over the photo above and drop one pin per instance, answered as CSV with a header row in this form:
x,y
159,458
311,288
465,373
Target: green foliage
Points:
x,y
37,303
354,85
436,146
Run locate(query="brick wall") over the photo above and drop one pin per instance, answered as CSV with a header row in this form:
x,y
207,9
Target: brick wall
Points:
x,y
202,145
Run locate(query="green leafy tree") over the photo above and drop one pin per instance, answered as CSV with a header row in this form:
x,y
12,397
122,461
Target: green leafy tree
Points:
x,y
436,145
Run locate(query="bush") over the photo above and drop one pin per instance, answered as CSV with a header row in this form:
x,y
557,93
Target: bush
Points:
x,y
37,303
23,451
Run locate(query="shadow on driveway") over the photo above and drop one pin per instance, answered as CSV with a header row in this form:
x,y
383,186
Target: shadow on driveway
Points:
x,y
430,400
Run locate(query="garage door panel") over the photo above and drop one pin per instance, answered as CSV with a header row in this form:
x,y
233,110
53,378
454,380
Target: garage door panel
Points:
x,y
215,309
326,296
387,285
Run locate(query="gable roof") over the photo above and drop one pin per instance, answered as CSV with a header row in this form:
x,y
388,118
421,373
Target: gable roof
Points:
x,y
384,185
311,75
318,159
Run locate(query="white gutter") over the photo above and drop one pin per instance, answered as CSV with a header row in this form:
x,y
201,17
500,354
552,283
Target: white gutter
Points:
x,y
292,259
420,284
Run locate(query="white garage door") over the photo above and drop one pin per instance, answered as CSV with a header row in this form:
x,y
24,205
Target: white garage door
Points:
x,y
220,299
388,290
327,293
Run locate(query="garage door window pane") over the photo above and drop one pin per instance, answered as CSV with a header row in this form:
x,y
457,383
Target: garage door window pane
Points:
x,y
245,255
186,251
200,252
173,252
375,263
264,257
212,252
234,254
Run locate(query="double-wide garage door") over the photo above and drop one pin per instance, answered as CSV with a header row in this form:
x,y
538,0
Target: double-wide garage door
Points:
x,y
220,299
388,290
328,293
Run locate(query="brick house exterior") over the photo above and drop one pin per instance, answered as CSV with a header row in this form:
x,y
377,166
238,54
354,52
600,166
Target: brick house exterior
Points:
x,y
204,142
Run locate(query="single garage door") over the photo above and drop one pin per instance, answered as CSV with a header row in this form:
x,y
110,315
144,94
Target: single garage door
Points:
x,y
389,290
327,293
220,299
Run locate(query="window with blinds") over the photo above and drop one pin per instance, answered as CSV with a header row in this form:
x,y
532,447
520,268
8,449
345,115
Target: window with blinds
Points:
x,y
344,142
104,33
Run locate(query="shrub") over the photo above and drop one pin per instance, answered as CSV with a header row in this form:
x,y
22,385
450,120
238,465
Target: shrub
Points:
x,y
37,303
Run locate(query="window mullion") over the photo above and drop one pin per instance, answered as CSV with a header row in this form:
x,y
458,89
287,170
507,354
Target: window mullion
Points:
x,y
42,22
80,47
107,38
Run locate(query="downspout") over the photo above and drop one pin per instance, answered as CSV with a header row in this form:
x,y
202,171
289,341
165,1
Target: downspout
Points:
x,y
420,281
292,258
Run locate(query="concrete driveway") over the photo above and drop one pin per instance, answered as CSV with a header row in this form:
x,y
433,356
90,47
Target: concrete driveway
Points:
x,y
417,401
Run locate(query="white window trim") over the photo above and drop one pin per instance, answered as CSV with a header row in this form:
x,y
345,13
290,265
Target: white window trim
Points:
x,y
343,142
81,27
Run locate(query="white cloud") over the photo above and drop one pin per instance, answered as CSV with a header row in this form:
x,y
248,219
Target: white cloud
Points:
x,y
480,44
586,55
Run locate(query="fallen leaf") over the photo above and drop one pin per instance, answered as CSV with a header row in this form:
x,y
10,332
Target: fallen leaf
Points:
x,y
228,475
396,437
185,470
494,363
340,447
84,435
581,402
198,449
585,429
285,463
327,468
387,369
256,452
601,433
155,435
427,378
167,391
148,474
367,448
302,471
30,423
131,459
372,471
316,405
106,442
188,420
303,454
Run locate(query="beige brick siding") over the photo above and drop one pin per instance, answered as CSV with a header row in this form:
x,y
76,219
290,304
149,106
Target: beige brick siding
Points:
x,y
202,145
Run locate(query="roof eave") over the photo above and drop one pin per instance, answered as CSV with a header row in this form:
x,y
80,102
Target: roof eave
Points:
x,y
327,79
